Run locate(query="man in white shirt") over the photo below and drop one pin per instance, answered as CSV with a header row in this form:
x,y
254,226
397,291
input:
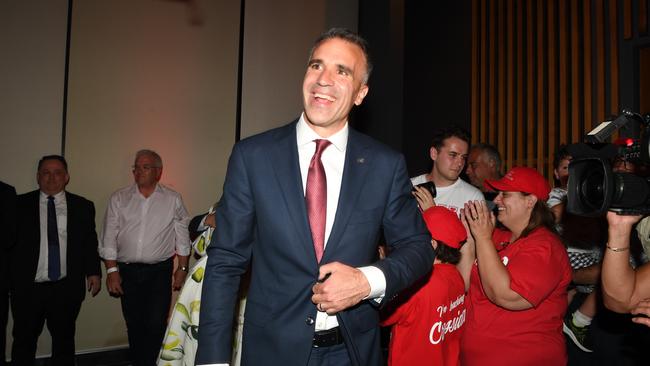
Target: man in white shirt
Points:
x,y
144,228
448,151
303,205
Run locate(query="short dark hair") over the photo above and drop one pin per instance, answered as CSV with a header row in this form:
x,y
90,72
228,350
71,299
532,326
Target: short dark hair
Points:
x,y
561,154
440,135
53,157
349,36
447,254
492,153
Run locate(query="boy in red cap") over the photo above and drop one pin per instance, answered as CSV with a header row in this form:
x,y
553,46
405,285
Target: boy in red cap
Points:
x,y
427,319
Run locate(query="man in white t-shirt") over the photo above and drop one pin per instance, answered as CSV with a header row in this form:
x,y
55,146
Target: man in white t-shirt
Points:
x,y
449,150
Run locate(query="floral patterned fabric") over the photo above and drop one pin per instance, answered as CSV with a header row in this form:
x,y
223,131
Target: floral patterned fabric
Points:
x,y
180,343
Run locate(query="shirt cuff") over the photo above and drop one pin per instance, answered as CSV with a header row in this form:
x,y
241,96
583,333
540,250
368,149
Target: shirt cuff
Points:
x,y
109,254
376,280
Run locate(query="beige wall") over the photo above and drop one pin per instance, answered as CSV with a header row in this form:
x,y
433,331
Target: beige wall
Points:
x,y
142,77
32,40
278,37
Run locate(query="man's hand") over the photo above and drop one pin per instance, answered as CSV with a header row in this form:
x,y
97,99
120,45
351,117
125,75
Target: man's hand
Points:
x,y
94,284
424,198
179,279
339,287
114,284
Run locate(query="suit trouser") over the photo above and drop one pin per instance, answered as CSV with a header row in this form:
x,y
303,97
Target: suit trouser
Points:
x,y
330,356
145,306
56,304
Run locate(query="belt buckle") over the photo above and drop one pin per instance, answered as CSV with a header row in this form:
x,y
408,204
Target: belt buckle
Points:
x,y
327,338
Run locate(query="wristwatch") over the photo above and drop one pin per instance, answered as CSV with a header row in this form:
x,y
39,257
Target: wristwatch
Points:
x,y
183,268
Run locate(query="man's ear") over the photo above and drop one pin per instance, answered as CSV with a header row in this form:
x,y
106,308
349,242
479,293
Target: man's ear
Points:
x,y
363,91
433,153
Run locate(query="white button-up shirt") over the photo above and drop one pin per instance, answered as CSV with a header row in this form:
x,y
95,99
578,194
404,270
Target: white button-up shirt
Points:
x,y
61,208
140,229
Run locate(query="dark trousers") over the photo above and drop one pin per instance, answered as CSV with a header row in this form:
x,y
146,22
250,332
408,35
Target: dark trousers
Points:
x,y
53,303
330,356
145,305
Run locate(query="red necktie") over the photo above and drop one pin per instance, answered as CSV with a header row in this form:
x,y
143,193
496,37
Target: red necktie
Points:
x,y
316,198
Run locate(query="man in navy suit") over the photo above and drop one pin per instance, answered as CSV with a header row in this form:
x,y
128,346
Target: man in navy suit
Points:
x,y
306,306
52,264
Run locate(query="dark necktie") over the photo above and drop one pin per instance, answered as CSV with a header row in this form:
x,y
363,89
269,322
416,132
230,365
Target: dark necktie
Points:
x,y
316,198
53,257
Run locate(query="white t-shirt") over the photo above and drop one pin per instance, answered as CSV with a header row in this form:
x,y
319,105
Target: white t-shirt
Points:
x,y
453,196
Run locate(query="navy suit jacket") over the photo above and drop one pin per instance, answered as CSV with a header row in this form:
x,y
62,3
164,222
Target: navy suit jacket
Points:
x,y
262,222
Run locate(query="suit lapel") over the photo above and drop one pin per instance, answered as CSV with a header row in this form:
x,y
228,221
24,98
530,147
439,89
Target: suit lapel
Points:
x,y
357,162
287,175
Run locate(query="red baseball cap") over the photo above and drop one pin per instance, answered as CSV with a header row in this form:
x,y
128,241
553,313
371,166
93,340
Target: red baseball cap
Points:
x,y
445,226
522,179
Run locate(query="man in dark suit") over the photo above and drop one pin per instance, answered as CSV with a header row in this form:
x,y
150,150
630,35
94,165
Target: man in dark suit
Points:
x,y
54,260
308,224
8,231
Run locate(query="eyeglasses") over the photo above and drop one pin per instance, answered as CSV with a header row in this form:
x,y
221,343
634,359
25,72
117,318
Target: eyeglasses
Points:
x,y
144,168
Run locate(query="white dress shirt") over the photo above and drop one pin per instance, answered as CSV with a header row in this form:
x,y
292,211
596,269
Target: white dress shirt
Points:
x,y
333,158
61,208
139,229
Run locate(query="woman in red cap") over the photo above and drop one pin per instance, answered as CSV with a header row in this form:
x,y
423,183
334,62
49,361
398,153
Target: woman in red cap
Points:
x,y
518,284
427,319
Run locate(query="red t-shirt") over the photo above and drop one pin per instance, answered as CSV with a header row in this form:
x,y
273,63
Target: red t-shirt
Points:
x,y
427,327
540,272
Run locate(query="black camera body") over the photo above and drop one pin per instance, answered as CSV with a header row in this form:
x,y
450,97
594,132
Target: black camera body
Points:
x,y
593,187
430,186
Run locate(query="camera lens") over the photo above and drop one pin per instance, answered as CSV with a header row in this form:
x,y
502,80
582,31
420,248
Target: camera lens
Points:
x,y
592,189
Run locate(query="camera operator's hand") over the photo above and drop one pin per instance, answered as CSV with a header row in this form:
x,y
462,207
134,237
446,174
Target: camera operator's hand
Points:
x,y
424,198
643,310
623,287
621,223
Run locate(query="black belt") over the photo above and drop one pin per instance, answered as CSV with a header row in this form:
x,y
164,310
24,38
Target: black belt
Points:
x,y
327,338
145,265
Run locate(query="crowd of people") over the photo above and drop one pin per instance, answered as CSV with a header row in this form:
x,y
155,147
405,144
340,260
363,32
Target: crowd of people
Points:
x,y
333,243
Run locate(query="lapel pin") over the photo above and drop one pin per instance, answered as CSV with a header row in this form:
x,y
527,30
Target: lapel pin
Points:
x,y
361,160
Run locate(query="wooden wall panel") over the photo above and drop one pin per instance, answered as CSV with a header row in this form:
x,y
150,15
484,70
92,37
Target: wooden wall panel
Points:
x,y
520,89
540,110
544,73
510,104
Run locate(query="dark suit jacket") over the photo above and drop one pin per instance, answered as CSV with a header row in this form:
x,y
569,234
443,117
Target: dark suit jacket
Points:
x,y
7,230
262,219
82,257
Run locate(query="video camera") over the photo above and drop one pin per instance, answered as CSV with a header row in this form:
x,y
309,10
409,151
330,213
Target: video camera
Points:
x,y
593,187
